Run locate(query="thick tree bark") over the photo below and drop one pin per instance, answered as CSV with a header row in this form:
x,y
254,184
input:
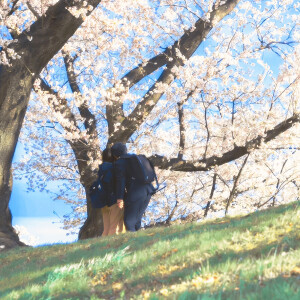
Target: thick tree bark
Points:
x,y
93,225
8,237
35,48
15,87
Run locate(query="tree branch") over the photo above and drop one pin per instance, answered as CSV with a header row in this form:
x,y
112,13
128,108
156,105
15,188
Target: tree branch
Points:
x,y
236,179
213,187
176,164
13,8
80,147
181,129
31,8
206,127
48,34
175,55
181,123
90,123
186,44
60,105
278,188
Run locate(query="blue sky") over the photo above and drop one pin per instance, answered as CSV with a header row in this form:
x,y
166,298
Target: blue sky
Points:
x,y
37,212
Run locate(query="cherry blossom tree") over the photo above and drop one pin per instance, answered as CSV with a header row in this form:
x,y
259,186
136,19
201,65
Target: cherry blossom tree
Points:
x,y
189,83
31,34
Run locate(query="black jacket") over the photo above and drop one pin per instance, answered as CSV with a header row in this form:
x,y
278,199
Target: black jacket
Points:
x,y
126,186
122,176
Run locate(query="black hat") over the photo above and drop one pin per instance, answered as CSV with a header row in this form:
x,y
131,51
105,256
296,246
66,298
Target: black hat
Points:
x,y
118,149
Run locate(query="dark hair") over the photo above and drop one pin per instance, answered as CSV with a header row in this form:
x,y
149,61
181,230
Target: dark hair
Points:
x,y
118,149
106,155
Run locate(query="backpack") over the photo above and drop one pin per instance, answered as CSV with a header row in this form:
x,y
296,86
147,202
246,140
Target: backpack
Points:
x,y
142,169
101,191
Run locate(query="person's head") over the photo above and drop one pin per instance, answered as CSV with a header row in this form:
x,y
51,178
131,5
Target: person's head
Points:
x,y
107,156
118,149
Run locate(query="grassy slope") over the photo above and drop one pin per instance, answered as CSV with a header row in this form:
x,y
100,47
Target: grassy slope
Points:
x,y
250,257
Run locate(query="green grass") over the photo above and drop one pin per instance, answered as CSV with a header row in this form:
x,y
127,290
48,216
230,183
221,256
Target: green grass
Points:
x,y
248,257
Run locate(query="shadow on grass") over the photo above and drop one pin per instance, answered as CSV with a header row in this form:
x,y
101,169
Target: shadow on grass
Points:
x,y
47,259
278,288
217,261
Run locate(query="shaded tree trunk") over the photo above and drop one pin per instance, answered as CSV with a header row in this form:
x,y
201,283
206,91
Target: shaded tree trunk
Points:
x,y
8,237
15,86
93,225
47,35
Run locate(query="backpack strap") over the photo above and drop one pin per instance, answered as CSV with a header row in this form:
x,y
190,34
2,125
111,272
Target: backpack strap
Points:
x,y
156,189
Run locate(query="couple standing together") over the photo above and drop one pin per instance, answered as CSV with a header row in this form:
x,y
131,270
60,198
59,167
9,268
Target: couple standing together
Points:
x,y
131,196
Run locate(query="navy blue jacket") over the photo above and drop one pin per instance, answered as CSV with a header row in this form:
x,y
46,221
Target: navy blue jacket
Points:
x,y
122,176
136,195
106,169
125,184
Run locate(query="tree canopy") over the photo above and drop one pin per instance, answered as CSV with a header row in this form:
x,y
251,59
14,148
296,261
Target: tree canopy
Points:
x,y
208,89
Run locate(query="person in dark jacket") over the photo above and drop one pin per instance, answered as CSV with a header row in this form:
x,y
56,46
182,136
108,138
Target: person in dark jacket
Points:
x,y
112,214
130,193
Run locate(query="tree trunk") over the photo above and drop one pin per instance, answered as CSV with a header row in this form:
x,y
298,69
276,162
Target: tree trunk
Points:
x,y
47,35
93,225
8,237
15,89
